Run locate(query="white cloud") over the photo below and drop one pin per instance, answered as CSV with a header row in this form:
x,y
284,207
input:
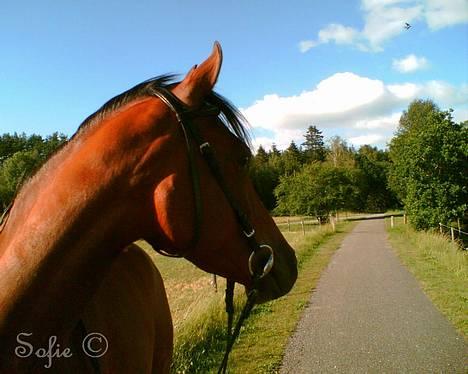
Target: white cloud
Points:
x,y
443,13
305,45
282,138
385,19
404,91
460,115
366,139
389,122
410,63
340,93
347,103
337,33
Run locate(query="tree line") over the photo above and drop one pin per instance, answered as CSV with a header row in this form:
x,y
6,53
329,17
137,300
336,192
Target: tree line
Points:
x,y
20,156
424,170
319,179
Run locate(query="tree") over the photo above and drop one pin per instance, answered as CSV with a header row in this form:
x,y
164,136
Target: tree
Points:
x,y
375,195
318,189
14,171
261,157
20,155
274,151
265,177
430,165
12,143
314,147
291,159
339,153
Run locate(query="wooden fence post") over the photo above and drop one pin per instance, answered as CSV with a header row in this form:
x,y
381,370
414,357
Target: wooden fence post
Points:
x,y
405,219
332,221
391,222
289,225
440,228
303,228
452,233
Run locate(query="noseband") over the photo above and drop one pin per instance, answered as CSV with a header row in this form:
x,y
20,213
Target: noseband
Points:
x,y
261,253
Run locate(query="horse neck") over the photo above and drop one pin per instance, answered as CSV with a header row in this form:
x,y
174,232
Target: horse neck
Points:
x,y
66,227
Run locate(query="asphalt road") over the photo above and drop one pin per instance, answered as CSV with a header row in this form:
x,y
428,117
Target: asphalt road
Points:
x,y
369,315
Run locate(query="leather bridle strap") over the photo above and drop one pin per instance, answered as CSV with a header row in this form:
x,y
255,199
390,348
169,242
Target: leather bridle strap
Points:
x,y
181,111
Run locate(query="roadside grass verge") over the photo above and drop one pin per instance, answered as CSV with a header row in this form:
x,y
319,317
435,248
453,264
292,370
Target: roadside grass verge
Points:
x,y
261,345
200,320
440,267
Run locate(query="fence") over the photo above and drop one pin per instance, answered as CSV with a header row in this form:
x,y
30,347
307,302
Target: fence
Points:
x,y
462,235
293,225
456,234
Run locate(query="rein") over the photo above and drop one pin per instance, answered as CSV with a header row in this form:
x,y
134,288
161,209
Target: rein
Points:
x,y
261,253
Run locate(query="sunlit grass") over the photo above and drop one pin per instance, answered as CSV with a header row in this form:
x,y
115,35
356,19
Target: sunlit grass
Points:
x,y
440,266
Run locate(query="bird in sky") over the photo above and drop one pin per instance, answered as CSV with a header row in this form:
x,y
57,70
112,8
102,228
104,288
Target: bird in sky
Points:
x,y
407,26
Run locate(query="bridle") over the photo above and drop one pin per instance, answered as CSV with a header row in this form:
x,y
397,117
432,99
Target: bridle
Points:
x,y
262,254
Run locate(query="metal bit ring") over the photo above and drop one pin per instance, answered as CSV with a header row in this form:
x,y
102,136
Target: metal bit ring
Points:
x,y
269,264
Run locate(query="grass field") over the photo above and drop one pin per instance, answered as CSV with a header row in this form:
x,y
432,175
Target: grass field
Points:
x,y
440,266
199,317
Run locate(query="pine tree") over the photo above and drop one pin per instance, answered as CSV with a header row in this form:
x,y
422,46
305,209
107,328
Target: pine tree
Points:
x,y
291,159
261,157
274,151
314,147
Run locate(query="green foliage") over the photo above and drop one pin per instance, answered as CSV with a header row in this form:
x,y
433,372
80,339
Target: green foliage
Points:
x,y
374,193
14,170
265,179
339,153
314,147
365,173
318,189
430,165
20,156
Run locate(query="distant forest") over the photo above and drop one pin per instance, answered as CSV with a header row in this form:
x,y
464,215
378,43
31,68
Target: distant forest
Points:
x,y
424,170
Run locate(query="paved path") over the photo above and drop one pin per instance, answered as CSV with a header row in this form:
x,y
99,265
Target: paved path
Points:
x,y
369,315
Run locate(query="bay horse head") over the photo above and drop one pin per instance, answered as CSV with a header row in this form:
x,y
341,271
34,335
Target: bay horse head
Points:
x,y
165,162
205,206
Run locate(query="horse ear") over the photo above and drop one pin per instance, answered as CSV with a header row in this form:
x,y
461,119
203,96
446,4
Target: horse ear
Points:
x,y
200,80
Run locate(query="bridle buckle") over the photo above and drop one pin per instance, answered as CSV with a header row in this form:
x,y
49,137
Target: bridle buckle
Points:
x,y
249,234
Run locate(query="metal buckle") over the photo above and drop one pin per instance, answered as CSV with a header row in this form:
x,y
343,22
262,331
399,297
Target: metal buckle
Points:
x,y
249,234
204,145
269,264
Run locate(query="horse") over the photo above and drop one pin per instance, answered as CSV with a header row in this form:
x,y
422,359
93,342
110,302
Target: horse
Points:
x,y
133,170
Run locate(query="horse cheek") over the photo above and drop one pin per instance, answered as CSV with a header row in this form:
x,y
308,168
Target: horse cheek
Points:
x,y
174,217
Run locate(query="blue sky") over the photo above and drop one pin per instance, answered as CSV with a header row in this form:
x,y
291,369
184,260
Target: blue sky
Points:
x,y
348,67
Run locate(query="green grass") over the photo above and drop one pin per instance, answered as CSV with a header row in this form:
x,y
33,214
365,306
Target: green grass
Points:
x,y
261,345
440,267
200,320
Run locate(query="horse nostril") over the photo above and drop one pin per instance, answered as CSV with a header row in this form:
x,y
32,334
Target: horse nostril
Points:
x,y
261,261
